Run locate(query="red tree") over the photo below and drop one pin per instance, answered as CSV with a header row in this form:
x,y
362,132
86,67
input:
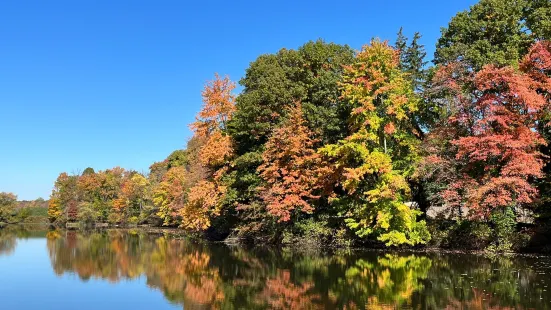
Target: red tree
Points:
x,y
494,139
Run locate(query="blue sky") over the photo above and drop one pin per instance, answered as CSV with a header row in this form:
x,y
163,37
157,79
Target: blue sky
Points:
x,y
115,83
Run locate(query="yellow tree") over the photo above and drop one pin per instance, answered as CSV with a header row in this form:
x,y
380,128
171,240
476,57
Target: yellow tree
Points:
x,y
202,204
7,206
169,195
133,196
372,164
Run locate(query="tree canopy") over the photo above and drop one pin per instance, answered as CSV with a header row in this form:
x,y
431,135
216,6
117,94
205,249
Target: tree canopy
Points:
x,y
346,146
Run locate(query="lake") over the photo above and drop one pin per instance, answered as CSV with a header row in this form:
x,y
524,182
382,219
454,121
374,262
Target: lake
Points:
x,y
137,270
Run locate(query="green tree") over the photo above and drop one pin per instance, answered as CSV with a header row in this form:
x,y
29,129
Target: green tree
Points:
x,y
88,170
494,32
401,46
177,158
373,163
414,63
271,85
7,206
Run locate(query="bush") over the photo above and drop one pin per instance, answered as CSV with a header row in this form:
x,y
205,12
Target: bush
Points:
x,y
23,214
86,215
114,218
461,234
504,224
312,233
31,215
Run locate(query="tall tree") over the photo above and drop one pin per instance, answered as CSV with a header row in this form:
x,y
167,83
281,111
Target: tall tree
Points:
x,y
373,163
494,32
494,140
204,199
211,121
289,168
414,63
537,64
272,84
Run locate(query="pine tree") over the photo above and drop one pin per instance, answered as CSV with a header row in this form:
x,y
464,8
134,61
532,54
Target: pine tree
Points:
x,y
414,64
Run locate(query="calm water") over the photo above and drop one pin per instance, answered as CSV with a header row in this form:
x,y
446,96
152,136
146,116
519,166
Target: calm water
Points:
x,y
125,270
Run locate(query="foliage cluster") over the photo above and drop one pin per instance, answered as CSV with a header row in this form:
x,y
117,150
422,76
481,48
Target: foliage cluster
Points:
x,y
366,143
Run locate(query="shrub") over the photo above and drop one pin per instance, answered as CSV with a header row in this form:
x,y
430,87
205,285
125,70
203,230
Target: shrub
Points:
x,y
504,224
461,234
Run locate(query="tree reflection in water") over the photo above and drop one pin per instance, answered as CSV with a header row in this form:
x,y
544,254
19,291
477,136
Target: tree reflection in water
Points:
x,y
10,235
198,275
7,243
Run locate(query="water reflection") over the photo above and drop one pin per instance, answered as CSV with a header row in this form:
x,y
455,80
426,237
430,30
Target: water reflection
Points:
x,y
10,235
198,276
7,244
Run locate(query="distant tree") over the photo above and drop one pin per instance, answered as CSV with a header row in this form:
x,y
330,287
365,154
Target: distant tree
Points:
x,y
177,158
64,198
157,170
169,195
135,194
8,202
88,170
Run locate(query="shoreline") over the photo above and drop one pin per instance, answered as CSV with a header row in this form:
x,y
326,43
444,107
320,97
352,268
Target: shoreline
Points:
x,y
180,233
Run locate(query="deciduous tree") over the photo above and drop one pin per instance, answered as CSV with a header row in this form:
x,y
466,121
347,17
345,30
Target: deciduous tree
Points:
x,y
494,32
7,206
371,164
169,195
290,168
494,139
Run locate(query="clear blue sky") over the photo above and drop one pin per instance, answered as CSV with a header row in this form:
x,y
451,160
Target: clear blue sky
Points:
x,y
115,83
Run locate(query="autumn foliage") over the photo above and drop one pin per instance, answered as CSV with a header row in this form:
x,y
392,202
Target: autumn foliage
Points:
x,y
290,168
372,163
494,136
204,198
211,121
356,145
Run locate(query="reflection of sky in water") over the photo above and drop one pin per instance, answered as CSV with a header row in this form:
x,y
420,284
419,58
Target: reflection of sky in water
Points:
x,y
27,281
140,271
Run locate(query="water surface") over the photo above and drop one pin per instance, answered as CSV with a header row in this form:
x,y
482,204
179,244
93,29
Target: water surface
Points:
x,y
136,270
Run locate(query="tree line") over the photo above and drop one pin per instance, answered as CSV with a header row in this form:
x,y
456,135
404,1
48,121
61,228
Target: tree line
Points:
x,y
13,211
325,143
